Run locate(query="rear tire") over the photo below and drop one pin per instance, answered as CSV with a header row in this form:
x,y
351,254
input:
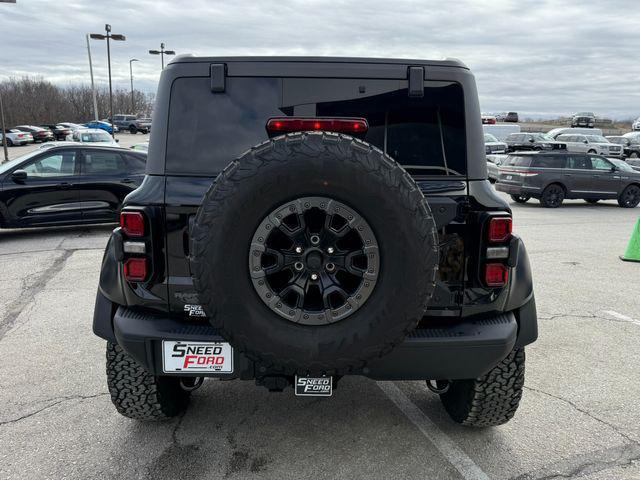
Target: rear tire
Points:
x,y
630,197
552,196
132,129
520,198
9,142
139,395
491,399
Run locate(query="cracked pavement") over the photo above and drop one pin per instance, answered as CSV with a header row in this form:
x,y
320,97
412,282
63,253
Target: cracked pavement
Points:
x,y
579,417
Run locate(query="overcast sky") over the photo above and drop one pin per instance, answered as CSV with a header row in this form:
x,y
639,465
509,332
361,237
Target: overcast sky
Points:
x,y
534,57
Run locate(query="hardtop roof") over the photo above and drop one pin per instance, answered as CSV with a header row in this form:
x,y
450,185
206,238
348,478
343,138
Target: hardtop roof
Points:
x,y
445,62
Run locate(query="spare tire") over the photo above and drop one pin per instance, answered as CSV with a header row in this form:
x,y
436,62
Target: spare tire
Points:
x,y
314,253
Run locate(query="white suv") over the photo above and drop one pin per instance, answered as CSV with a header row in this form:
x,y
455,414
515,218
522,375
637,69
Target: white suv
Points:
x,y
591,144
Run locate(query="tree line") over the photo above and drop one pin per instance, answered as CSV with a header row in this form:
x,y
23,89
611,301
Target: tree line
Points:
x,y
35,101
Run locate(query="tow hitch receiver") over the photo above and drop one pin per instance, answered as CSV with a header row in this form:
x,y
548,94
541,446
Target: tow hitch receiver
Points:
x,y
314,386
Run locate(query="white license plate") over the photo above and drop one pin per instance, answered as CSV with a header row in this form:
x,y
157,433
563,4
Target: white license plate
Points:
x,y
210,357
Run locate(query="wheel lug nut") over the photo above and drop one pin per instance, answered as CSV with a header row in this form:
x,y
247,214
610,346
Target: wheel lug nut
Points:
x,y
330,250
314,276
315,239
298,249
330,267
298,266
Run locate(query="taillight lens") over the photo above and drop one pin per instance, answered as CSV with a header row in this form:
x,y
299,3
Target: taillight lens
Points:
x,y
132,224
340,125
499,229
135,269
496,274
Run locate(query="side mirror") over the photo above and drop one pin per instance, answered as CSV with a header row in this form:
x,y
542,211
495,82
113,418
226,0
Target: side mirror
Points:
x,y
531,140
585,141
614,169
19,176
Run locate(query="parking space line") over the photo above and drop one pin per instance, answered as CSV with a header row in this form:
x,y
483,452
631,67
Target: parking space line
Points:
x,y
447,447
622,317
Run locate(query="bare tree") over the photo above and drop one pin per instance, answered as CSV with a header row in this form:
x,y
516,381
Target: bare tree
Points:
x,y
35,101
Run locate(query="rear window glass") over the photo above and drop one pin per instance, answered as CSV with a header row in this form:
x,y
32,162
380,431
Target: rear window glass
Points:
x,y
549,161
518,161
207,130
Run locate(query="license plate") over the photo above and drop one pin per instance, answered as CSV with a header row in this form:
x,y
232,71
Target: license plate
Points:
x,y
209,357
314,386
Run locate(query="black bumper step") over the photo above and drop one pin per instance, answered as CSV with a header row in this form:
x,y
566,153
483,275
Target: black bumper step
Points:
x,y
468,349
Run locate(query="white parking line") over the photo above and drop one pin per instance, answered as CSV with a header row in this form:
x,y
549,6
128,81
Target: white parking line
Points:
x,y
622,317
447,447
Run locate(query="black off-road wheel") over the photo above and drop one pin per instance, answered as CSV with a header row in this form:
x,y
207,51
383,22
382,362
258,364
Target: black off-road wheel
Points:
x,y
552,196
630,197
314,253
489,400
520,198
133,129
139,395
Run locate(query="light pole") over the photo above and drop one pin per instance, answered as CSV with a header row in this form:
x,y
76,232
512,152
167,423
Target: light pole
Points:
x,y
4,131
133,106
93,86
162,52
109,36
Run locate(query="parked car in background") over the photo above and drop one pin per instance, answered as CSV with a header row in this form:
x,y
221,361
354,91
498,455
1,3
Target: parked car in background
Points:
x,y
584,119
488,119
132,123
68,184
71,126
532,141
591,144
102,125
629,149
634,137
142,147
87,136
492,145
636,124
39,134
60,132
493,164
553,176
16,137
580,131
511,117
501,131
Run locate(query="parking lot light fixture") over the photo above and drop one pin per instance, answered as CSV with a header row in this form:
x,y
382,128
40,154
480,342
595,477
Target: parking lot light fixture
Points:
x,y
162,52
109,36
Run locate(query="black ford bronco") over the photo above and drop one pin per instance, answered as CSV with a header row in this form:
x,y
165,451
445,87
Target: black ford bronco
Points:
x,y
303,219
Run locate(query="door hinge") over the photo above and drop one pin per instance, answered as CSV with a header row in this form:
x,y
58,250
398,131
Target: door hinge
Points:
x,y
415,75
218,76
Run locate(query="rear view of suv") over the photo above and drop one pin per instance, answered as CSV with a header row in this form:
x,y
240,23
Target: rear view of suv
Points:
x,y
553,177
307,219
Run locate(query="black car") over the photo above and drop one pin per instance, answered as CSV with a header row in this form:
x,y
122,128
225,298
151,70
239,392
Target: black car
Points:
x,y
552,177
39,134
66,185
630,149
60,132
532,141
303,219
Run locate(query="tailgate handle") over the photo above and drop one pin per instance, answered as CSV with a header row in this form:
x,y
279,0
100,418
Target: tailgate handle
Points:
x,y
415,76
218,72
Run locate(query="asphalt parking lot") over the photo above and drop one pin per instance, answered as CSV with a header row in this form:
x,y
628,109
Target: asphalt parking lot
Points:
x,y
579,416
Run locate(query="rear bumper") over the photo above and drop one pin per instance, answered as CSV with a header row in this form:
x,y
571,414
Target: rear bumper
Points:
x,y
468,349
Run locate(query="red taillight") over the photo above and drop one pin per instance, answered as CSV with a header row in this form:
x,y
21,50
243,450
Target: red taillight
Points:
x,y
20,135
132,223
499,229
135,269
340,125
496,274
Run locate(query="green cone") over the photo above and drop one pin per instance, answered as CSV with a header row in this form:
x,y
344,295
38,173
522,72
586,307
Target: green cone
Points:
x,y
632,254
